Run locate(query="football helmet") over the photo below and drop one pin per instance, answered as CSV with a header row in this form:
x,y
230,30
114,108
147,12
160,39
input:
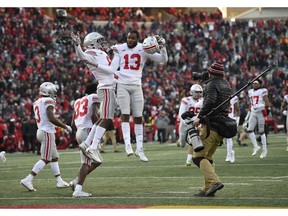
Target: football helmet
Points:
x,y
150,45
194,89
48,89
94,40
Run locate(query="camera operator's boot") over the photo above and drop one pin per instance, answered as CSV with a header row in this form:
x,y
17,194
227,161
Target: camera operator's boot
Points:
x,y
194,139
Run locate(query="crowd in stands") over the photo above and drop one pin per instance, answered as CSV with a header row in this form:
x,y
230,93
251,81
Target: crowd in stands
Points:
x,y
30,55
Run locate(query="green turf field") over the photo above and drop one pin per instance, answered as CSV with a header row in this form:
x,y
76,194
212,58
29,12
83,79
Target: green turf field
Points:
x,y
163,182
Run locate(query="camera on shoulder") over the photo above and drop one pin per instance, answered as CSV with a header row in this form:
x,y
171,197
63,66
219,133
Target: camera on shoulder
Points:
x,y
200,76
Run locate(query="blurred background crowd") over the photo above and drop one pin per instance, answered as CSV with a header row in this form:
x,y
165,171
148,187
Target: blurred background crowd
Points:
x,y
31,54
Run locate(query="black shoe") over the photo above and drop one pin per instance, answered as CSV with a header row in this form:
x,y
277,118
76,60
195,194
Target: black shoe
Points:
x,y
244,145
202,194
214,188
102,151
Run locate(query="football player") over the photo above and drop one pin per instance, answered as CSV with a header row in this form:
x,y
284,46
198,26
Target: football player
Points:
x,y
284,110
44,109
130,58
188,104
95,54
84,116
234,113
259,103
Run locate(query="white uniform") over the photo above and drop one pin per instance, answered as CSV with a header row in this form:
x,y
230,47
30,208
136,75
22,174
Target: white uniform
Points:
x,y
46,130
105,78
130,63
233,101
286,99
187,104
83,121
229,142
257,104
83,111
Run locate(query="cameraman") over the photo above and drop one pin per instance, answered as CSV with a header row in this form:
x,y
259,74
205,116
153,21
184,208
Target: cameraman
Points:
x,y
216,92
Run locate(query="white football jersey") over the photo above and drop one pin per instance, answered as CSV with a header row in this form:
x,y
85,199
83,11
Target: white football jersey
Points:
x,y
189,104
233,101
96,56
83,111
131,62
40,107
256,99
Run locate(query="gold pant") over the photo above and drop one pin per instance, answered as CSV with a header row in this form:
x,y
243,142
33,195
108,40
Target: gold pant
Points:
x,y
111,134
210,145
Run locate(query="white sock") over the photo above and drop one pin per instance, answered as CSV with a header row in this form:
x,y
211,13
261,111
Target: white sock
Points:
x,y
189,157
55,168
97,137
78,187
90,136
38,166
126,133
139,136
59,179
264,142
229,146
30,177
253,139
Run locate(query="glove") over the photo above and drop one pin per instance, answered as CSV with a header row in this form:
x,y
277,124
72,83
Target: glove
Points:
x,y
69,129
75,38
285,112
264,112
161,41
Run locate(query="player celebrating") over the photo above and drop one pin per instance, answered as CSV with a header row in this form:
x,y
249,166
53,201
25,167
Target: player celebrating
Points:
x,y
44,109
130,58
188,104
234,113
84,116
95,54
258,104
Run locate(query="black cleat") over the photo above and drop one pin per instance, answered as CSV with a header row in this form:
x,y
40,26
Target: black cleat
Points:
x,y
214,188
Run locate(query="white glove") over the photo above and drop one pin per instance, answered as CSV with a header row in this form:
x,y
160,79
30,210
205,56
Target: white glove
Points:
x,y
75,38
161,41
285,112
69,129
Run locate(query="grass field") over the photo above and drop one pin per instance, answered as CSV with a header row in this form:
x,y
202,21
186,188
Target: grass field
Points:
x,y
163,182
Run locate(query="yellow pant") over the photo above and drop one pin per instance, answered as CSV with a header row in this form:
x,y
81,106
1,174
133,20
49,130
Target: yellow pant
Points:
x,y
107,136
206,167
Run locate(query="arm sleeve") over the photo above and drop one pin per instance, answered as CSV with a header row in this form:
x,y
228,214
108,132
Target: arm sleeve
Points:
x,y
161,57
182,109
112,68
84,56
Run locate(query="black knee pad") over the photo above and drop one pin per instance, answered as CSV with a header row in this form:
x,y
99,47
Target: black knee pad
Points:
x,y
197,161
211,161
